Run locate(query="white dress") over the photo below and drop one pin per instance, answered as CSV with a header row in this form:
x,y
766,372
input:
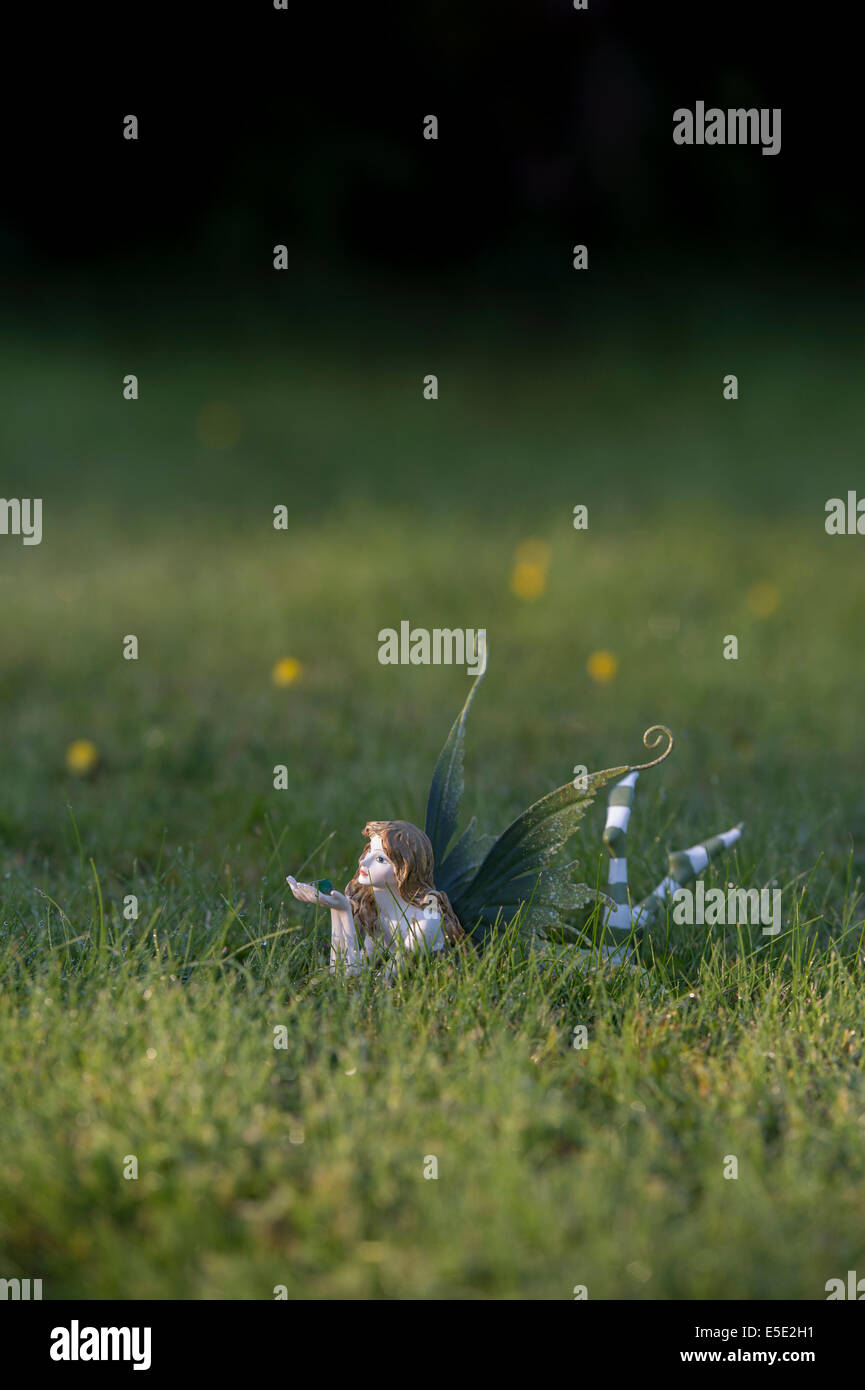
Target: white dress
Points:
x,y
406,929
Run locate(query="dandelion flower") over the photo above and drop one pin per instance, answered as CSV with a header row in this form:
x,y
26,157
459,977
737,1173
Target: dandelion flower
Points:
x,y
529,574
763,599
287,671
602,667
82,757
528,581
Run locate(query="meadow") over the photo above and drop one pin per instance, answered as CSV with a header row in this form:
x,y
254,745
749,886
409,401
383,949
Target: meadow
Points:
x,y
302,1166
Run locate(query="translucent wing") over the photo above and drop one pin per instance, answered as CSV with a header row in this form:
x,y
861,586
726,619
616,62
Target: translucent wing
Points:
x,y
489,880
446,792
459,867
517,870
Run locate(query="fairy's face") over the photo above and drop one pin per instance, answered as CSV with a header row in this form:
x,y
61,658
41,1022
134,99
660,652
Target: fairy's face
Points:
x,y
375,868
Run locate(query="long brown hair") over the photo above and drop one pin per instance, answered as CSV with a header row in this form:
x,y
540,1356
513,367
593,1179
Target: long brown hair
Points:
x,y
411,853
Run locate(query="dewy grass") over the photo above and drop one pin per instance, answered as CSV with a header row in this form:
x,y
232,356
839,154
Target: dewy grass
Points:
x,y
283,1121
303,1164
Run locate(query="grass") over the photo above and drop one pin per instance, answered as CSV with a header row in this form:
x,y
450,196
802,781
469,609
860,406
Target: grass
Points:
x,y
303,1166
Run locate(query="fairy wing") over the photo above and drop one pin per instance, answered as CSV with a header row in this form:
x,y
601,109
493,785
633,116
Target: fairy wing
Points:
x,y
517,871
462,863
443,808
489,879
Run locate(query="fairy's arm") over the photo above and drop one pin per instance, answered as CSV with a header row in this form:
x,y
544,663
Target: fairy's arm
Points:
x,y
343,938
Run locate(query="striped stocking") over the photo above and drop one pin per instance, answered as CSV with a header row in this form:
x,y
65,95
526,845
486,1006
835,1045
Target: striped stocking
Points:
x,y
619,805
683,865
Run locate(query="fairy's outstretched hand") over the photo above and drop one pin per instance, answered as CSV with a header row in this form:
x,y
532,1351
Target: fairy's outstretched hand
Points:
x,y
310,893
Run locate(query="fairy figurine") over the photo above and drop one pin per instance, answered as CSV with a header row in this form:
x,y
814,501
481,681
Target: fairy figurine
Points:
x,y
427,891
392,900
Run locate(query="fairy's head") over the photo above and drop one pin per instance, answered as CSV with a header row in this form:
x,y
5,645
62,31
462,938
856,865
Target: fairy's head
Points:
x,y
398,856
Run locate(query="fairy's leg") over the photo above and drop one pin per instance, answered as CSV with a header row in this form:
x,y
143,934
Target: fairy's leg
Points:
x,y
683,865
619,805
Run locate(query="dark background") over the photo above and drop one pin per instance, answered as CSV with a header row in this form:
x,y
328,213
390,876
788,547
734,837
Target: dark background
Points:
x,y
260,126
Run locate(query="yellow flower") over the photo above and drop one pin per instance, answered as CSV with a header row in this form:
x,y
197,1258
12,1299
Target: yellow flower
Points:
x,y
286,671
763,599
529,574
602,667
82,757
528,581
